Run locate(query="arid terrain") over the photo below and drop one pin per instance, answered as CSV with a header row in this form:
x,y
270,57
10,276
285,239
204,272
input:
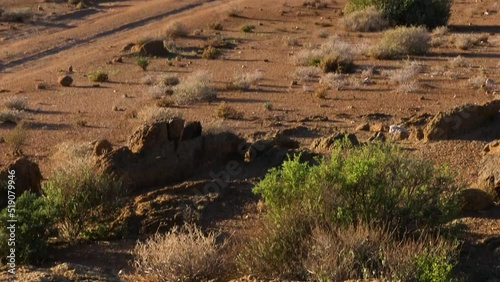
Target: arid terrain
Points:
x,y
62,40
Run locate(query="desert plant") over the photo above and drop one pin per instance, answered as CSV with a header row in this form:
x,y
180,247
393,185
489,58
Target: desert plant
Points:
x,y
168,80
247,28
245,81
216,26
176,30
410,192
148,80
320,92
458,61
291,41
81,195
195,88
10,116
16,137
335,55
210,53
227,112
98,75
334,80
307,73
268,106
406,77
34,224
402,41
430,13
234,11
16,15
322,34
16,103
158,91
155,114
368,19
142,62
477,82
467,41
182,254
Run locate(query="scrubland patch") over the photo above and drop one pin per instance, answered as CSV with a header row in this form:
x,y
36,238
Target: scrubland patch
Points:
x,y
368,20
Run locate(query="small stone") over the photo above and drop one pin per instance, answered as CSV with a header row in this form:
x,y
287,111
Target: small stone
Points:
x,y
294,82
41,86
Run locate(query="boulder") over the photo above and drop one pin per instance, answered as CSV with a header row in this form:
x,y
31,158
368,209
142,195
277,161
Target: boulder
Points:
x,y
363,127
328,143
377,137
461,120
153,48
65,80
191,131
149,137
489,170
27,177
475,199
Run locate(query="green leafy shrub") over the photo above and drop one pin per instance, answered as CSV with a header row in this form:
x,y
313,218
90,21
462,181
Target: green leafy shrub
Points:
x,y
142,62
430,13
434,266
402,41
82,196
34,223
374,183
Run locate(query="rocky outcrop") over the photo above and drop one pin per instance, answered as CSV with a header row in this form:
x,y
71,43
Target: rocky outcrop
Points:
x,y
328,143
164,152
461,120
475,199
489,172
27,177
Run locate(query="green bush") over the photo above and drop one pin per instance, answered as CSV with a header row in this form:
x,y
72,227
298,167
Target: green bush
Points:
x,y
34,222
142,62
374,183
431,13
83,198
433,266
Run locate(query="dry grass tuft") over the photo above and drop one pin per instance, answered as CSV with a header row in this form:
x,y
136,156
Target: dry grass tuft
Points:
x,y
16,15
10,116
227,112
156,114
176,30
246,80
211,53
467,41
459,61
16,103
402,41
180,255
335,55
195,88
369,19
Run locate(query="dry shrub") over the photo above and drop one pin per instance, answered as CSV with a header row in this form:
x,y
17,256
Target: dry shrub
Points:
x,y
168,80
406,77
477,82
227,112
291,41
245,80
234,11
307,73
211,53
335,55
176,30
364,251
459,61
16,103
368,19
16,137
10,116
335,80
156,114
16,15
467,41
195,88
98,75
157,91
402,41
320,92
184,254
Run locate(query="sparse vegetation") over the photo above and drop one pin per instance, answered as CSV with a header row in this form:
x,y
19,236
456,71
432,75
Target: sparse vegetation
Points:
x,y
245,81
467,41
195,88
211,53
291,41
98,75
227,112
406,77
10,116
335,55
155,114
402,41
307,73
216,26
369,19
459,61
184,254
81,195
142,62
320,92
16,15
234,11
247,28
429,13
16,138
268,106
176,30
